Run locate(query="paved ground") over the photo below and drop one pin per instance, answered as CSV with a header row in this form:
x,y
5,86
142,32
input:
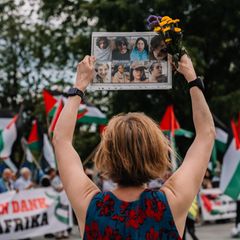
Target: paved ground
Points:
x,y
204,232
214,231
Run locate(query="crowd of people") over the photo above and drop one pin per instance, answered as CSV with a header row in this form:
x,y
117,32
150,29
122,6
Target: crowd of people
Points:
x,y
9,181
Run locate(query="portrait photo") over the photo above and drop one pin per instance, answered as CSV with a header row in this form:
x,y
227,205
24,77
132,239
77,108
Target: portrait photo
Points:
x,y
158,49
140,49
121,49
139,72
103,49
158,72
103,72
120,73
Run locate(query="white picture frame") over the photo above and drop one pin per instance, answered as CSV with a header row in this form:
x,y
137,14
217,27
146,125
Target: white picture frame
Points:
x,y
130,61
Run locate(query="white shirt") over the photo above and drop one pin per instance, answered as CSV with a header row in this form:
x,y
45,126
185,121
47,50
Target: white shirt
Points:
x,y
22,184
56,182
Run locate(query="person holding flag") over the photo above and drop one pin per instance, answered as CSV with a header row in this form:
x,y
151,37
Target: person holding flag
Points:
x,y
132,151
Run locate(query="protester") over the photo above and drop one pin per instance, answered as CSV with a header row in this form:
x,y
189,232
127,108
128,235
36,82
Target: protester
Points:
x,y
45,181
190,222
132,151
235,233
55,180
207,180
24,182
6,182
140,50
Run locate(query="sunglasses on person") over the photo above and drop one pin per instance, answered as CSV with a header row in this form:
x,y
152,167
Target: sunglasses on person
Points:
x,y
122,44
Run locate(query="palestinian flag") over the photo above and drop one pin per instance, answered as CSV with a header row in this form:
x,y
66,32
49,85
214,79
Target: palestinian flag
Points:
x,y
93,115
29,159
171,127
55,117
170,124
33,138
51,104
8,136
7,163
169,121
49,101
209,205
101,128
82,108
220,145
230,176
31,162
222,133
4,121
28,155
48,152
236,132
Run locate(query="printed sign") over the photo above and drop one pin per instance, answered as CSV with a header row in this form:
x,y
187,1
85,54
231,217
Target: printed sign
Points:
x,y
215,205
130,60
32,213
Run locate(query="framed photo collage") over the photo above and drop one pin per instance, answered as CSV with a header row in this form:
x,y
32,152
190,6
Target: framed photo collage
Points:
x,y
130,61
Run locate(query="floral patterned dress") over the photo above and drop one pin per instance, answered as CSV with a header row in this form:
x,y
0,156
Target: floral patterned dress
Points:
x,y
147,218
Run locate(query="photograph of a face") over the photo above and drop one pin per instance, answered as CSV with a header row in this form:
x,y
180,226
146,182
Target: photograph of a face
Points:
x,y
129,61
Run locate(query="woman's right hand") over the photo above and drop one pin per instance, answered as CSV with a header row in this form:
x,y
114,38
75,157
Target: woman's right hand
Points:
x,y
85,71
186,68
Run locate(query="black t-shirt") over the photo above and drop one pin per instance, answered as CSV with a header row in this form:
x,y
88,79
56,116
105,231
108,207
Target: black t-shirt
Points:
x,y
116,55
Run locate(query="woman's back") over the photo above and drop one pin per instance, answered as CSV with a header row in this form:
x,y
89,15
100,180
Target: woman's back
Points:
x,y
132,151
149,217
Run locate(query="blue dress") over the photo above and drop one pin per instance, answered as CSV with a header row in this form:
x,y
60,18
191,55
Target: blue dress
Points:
x,y
147,218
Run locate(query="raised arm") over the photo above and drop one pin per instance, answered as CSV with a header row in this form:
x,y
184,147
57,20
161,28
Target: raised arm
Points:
x,y
184,184
79,188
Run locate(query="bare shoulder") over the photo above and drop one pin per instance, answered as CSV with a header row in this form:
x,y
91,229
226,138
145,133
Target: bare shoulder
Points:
x,y
179,216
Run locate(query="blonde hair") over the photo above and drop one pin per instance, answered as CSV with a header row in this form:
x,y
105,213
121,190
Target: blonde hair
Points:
x,y
133,150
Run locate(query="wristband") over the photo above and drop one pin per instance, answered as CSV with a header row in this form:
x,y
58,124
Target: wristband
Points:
x,y
75,92
198,82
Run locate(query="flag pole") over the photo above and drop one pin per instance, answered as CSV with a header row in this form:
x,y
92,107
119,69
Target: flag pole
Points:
x,y
24,144
90,156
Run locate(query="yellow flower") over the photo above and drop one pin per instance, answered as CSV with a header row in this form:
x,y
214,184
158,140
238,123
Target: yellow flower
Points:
x,y
176,20
163,23
166,18
166,29
168,40
176,29
157,29
170,21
